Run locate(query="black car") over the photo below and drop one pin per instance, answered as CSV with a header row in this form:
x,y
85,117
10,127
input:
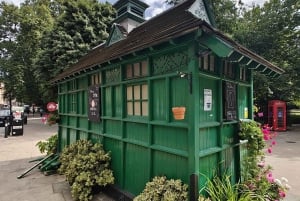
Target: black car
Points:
x,y
4,116
18,113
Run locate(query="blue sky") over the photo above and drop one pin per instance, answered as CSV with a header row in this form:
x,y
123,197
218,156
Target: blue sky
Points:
x,y
155,6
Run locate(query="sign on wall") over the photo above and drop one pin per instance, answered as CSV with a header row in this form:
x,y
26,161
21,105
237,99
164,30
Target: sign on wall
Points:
x,y
207,99
94,103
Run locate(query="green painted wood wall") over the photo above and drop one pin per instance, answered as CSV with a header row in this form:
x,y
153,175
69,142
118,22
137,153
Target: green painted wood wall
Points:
x,y
204,143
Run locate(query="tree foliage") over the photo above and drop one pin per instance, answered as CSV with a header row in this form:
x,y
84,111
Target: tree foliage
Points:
x,y
81,26
9,68
41,38
272,31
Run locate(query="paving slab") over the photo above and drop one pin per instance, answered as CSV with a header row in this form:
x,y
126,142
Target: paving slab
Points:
x,y
17,151
285,160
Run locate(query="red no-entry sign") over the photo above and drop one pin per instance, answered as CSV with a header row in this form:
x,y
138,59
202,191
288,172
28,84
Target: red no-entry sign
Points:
x,y
51,106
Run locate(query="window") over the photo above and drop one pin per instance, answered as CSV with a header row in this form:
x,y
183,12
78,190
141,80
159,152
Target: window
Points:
x,y
137,69
228,69
95,79
243,74
207,62
137,100
73,104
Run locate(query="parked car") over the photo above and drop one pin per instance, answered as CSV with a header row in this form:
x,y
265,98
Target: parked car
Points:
x,y
4,116
18,112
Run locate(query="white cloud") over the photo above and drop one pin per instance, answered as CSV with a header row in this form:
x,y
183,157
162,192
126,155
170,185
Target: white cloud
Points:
x,y
16,2
155,6
250,2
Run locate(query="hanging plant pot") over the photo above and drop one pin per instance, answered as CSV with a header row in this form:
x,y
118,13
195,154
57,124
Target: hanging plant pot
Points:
x,y
178,112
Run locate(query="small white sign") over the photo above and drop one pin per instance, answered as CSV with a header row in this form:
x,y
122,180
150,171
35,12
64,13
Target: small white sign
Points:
x,y
207,99
17,127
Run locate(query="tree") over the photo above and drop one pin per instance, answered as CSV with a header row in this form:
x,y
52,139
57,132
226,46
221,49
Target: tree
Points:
x,y
81,25
35,21
273,32
9,68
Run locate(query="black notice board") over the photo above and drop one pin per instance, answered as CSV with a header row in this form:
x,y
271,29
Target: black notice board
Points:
x,y
230,101
94,103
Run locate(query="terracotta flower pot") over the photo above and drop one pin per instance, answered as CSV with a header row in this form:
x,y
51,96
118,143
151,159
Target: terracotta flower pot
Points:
x,y
178,112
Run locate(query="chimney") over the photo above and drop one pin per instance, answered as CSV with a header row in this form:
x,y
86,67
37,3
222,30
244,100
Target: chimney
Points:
x,y
130,13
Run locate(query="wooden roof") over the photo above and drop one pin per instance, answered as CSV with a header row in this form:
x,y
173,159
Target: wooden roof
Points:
x,y
172,23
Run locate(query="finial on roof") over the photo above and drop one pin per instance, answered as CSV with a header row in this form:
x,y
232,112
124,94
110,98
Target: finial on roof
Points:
x,y
203,10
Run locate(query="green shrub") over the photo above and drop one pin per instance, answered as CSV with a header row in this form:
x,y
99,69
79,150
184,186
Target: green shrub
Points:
x,y
221,189
85,166
162,189
49,146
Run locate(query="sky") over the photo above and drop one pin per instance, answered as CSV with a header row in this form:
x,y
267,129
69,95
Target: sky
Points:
x,y
155,6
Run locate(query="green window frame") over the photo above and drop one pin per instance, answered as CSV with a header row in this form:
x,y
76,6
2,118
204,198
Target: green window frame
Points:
x,y
243,74
207,63
95,79
137,69
137,99
73,105
228,69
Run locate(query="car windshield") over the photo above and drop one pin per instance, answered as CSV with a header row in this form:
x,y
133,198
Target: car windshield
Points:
x,y
4,112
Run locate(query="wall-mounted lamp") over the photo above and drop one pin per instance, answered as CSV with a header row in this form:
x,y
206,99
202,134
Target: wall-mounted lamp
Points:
x,y
188,76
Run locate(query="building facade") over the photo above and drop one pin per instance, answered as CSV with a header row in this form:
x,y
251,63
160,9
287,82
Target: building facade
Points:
x,y
121,94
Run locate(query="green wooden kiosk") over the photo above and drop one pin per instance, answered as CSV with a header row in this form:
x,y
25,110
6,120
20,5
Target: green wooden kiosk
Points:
x,y
122,93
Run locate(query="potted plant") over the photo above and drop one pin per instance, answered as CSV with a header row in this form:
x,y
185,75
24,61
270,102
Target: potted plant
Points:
x,y
178,112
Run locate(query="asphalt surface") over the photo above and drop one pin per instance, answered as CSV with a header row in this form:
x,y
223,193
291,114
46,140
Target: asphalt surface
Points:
x,y
17,151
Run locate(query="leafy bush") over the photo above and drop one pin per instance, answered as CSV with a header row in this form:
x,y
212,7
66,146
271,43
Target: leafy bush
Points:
x,y
52,118
221,189
257,177
250,131
162,189
49,146
85,166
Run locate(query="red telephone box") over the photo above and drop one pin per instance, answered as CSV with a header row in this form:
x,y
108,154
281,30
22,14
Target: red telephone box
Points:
x,y
277,115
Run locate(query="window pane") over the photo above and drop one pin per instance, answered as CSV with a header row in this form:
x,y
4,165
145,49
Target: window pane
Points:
x,y
128,71
129,108
99,78
136,69
137,92
144,68
144,92
137,108
205,62
145,108
212,63
129,93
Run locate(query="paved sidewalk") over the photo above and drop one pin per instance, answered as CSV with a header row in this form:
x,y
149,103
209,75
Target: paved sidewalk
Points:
x,y
285,160
17,151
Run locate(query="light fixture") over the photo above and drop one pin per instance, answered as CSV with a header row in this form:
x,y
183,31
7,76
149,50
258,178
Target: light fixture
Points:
x,y
188,76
